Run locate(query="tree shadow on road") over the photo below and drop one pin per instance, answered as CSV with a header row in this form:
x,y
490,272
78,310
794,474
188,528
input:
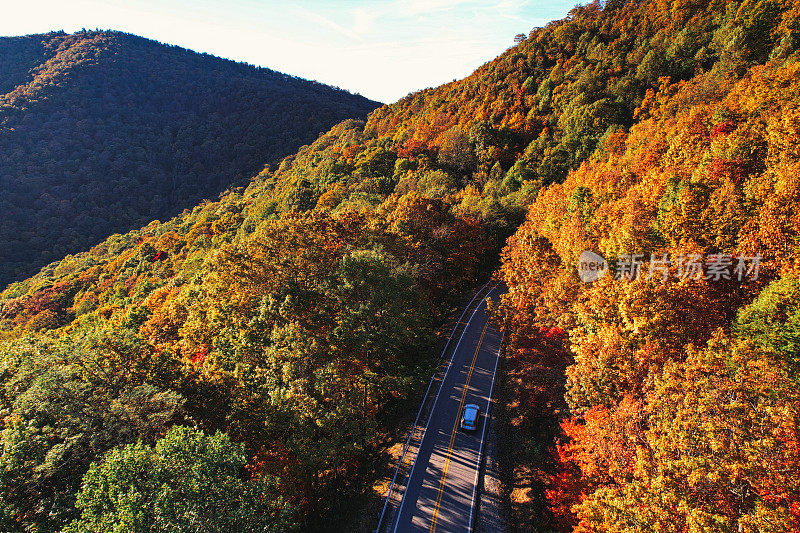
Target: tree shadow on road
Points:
x,y
530,408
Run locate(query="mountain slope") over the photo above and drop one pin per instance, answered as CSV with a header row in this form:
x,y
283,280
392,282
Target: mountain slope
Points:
x,y
102,132
682,387
296,315
489,142
673,396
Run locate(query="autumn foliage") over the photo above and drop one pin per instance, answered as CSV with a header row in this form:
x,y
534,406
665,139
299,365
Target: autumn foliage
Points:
x,y
683,398
296,316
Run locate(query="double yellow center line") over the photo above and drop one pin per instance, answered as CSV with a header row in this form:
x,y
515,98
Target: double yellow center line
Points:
x,y
455,429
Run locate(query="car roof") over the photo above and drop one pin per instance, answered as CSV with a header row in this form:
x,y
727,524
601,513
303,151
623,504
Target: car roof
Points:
x,y
471,407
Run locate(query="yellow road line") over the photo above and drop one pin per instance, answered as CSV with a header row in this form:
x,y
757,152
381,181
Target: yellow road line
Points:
x,y
455,429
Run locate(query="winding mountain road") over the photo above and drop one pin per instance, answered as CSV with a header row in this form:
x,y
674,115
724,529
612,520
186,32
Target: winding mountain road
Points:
x,y
442,488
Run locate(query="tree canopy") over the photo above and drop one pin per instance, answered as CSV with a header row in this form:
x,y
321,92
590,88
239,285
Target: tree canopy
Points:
x,y
297,315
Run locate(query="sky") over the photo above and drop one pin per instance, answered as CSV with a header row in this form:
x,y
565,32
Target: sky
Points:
x,y
382,49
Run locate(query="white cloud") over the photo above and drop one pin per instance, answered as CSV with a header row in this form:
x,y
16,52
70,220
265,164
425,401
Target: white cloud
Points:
x,y
422,7
324,21
362,20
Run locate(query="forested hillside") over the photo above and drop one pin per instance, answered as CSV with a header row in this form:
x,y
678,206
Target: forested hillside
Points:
x,y
681,392
281,332
102,132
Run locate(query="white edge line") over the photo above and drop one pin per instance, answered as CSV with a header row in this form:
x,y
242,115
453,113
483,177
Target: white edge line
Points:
x,y
483,437
435,401
460,318
422,405
444,378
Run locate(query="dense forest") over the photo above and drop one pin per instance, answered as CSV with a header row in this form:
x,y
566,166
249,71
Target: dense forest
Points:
x,y
102,132
258,353
674,400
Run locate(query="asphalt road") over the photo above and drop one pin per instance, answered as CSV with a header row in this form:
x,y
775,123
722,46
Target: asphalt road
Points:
x,y
440,492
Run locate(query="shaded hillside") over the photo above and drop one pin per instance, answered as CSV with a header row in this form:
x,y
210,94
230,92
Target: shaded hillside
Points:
x,y
296,315
101,132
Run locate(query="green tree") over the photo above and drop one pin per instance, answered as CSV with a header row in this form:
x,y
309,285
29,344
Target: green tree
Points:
x,y
68,405
189,481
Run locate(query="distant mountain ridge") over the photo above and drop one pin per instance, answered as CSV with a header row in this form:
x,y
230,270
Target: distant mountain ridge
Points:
x,y
102,131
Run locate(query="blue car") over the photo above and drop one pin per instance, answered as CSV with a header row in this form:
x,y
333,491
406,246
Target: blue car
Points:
x,y
470,419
